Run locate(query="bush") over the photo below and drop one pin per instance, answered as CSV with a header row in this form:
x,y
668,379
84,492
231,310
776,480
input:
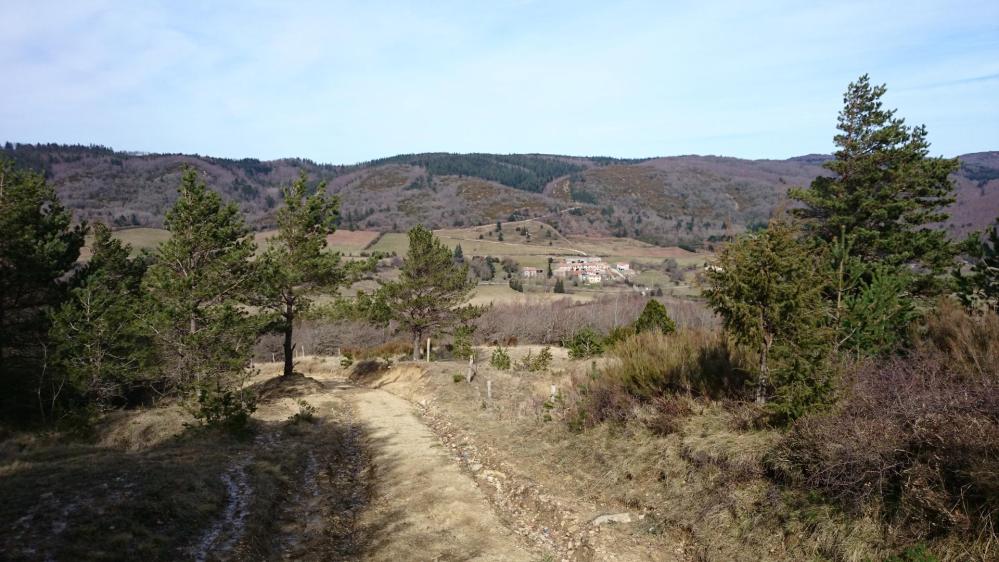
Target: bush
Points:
x,y
536,363
388,350
306,413
619,334
650,369
367,369
500,359
917,439
463,341
556,321
224,409
655,317
968,341
585,343
653,364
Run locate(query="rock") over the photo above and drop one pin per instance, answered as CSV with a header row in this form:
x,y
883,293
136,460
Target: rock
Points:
x,y
613,518
475,467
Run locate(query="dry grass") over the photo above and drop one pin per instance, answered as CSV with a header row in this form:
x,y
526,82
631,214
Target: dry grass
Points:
x,y
391,242
971,342
351,241
502,294
138,238
537,321
149,488
699,485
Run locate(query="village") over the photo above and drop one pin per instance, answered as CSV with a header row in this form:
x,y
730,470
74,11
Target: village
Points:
x,y
590,270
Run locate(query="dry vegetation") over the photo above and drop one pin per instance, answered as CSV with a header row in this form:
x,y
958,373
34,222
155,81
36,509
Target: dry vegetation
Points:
x,y
146,485
660,428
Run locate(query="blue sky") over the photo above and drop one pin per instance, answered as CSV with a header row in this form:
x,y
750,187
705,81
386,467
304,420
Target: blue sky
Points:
x,y
345,82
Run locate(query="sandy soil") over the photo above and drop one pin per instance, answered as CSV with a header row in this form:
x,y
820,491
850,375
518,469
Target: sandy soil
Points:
x,y
420,505
425,508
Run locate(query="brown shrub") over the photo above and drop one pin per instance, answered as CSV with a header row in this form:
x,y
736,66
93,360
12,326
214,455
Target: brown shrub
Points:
x,y
388,350
364,371
695,362
552,322
665,415
648,371
917,438
971,342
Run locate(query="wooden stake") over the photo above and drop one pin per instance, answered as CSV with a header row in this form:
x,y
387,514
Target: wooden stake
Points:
x,y
489,389
471,371
428,350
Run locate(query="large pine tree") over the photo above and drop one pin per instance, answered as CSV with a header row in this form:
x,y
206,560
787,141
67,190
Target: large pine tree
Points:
x,y
432,290
99,342
39,246
885,190
198,282
296,265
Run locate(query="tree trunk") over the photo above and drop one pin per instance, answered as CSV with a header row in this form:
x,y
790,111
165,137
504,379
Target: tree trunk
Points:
x,y
289,349
761,385
417,337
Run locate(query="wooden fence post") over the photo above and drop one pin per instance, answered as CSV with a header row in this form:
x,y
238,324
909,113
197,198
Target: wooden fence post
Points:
x,y
471,370
428,350
489,389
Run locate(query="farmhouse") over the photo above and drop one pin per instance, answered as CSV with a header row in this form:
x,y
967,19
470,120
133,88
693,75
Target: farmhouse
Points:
x,y
586,269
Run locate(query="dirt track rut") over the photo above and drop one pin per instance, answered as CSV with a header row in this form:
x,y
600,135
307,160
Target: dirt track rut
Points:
x,y
424,507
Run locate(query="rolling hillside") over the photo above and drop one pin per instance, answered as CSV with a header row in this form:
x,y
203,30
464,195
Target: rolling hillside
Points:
x,y
674,200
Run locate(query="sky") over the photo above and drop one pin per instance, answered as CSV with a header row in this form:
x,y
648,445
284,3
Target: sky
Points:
x,y
348,82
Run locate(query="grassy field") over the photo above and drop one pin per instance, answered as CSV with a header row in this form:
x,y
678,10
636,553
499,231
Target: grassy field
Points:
x,y
541,241
138,238
501,293
528,251
391,242
343,241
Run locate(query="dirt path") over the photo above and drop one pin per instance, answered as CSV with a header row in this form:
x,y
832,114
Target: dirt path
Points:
x,y
424,507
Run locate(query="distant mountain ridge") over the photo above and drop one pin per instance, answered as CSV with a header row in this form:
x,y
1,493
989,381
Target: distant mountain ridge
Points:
x,y
665,200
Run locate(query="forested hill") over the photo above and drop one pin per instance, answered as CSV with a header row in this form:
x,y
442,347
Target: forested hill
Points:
x,y
683,199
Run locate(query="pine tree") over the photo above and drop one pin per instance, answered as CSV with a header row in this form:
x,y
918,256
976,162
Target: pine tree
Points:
x,y
559,286
39,245
198,282
459,256
296,266
99,342
655,317
432,290
885,191
979,288
768,289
